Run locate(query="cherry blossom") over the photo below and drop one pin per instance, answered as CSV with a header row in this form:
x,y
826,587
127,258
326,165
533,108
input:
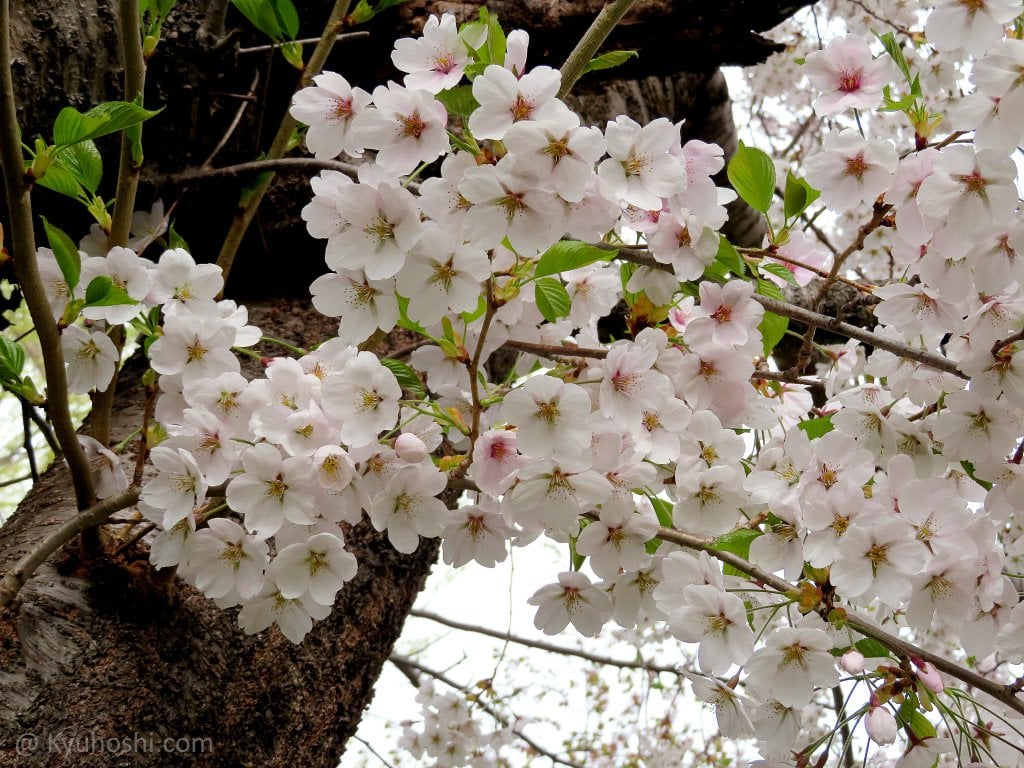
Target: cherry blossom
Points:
x,y
847,75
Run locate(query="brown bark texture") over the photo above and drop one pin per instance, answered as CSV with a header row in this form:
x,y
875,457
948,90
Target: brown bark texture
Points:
x,y
101,658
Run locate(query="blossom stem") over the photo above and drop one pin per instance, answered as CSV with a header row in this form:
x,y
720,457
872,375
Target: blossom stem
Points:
x,y
1005,694
134,87
474,368
410,668
541,645
600,28
244,217
19,206
16,578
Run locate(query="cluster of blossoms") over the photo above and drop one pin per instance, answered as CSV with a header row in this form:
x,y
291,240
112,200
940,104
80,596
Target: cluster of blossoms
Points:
x,y
893,503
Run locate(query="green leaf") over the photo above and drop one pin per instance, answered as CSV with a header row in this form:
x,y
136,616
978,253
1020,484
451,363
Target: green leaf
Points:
x,y
83,161
773,328
729,257
895,51
174,240
61,180
609,60
769,289
752,174
817,427
871,648
969,469
261,15
458,100
12,360
798,196
552,299
72,126
292,53
779,270
404,321
68,258
101,292
570,254
737,542
407,378
481,307
920,725
663,510
496,43
120,115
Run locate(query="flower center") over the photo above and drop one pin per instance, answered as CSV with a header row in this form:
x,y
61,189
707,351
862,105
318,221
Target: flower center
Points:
x,y
849,82
521,109
856,166
412,125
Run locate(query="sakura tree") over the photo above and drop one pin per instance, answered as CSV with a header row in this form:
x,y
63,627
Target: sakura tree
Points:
x,y
820,537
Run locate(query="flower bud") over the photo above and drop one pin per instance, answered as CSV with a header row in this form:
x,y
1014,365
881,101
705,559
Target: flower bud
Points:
x,y
852,661
881,725
410,448
929,675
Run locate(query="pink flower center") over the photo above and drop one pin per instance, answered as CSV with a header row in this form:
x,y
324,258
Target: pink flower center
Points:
x,y
974,183
521,109
444,64
849,82
856,166
723,314
412,125
343,108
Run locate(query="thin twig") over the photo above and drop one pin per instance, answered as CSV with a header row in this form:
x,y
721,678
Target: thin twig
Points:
x,y
15,578
16,480
1002,693
244,217
792,311
134,87
233,125
19,207
281,164
541,645
30,452
43,427
592,39
305,41
408,667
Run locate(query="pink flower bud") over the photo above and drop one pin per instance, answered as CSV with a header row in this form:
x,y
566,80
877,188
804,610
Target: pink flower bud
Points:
x,y
881,725
929,675
410,448
852,661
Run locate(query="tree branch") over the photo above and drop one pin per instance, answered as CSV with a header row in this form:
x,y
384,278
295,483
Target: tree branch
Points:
x,y
1005,694
592,39
240,224
408,667
19,206
541,645
16,578
938,362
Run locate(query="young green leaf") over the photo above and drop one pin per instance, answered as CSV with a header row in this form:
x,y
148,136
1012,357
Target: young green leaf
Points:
x,y
769,289
570,254
773,328
459,101
752,174
895,51
729,257
609,60
101,292
72,126
68,258
552,298
407,378
61,180
779,270
83,161
816,427
798,196
12,360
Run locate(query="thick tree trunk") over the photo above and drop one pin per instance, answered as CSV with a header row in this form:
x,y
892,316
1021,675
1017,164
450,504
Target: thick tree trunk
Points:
x,y
106,648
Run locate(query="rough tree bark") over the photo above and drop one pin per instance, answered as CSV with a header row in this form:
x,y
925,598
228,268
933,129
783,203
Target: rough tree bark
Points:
x,y
104,647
